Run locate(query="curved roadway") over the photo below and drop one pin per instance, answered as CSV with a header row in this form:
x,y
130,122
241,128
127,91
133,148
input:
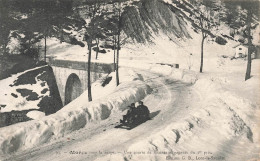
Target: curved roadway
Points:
x,y
167,103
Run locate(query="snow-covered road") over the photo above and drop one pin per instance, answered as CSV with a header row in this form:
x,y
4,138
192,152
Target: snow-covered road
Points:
x,y
200,122
167,103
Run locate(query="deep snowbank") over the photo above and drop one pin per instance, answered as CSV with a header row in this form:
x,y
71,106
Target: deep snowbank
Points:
x,y
72,117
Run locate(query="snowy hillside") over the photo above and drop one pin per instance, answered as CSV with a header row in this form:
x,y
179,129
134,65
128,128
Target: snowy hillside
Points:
x,y
32,90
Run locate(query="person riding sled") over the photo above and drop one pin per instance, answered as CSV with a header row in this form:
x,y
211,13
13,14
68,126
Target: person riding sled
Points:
x,y
135,116
129,116
143,112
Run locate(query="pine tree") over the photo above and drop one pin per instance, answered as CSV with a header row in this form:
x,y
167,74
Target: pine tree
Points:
x,y
111,31
118,10
100,30
42,17
90,11
7,25
119,29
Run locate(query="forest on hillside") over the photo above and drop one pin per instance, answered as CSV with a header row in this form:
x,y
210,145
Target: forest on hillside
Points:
x,y
26,25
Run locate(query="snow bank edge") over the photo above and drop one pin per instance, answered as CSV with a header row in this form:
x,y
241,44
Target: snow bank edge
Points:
x,y
30,134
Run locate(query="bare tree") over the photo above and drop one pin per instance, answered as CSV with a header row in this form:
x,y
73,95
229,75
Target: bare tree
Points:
x,y
119,41
91,11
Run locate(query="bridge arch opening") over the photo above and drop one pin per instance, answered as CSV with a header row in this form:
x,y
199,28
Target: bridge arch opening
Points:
x,y
73,88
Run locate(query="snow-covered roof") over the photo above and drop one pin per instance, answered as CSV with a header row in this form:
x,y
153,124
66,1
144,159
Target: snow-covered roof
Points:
x,y
253,45
240,45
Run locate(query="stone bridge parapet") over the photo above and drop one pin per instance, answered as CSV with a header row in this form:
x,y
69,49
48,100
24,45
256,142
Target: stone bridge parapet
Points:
x,y
72,76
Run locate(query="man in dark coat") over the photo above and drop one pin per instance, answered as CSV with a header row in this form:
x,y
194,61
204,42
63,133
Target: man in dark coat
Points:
x,y
143,112
129,115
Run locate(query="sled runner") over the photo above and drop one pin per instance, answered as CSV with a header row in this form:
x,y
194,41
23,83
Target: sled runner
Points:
x,y
131,123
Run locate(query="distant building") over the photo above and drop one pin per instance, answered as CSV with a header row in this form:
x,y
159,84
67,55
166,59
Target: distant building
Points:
x,y
241,51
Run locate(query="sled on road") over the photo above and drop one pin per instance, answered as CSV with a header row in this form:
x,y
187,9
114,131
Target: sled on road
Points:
x,y
131,123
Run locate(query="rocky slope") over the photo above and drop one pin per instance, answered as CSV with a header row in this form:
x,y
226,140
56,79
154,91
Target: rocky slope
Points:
x,y
148,17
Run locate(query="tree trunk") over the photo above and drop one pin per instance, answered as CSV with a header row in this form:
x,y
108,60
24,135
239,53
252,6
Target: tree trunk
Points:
x,y
97,48
89,63
45,46
117,59
114,43
201,56
249,61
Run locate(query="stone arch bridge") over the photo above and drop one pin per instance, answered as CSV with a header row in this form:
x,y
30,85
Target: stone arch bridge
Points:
x,y
72,77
